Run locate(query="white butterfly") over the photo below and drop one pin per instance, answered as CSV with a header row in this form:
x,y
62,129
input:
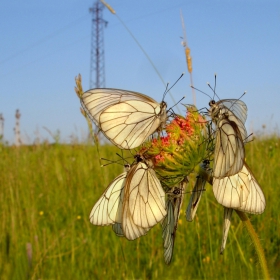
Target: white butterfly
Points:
x,y
133,202
144,200
229,116
170,222
240,191
126,118
198,190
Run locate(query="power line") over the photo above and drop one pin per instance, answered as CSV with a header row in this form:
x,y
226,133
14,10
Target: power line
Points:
x,y
43,40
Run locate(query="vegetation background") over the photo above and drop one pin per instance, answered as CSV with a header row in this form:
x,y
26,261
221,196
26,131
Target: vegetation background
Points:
x,y
47,192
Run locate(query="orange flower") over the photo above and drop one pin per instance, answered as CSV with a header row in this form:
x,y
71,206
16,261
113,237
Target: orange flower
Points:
x,y
176,154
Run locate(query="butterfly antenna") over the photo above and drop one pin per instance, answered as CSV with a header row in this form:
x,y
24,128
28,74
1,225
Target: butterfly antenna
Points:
x,y
110,162
238,99
246,139
242,95
176,103
122,158
167,90
215,83
214,90
133,156
201,91
215,94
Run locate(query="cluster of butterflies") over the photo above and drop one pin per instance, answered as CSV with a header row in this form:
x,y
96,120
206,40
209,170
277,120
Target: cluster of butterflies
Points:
x,y
135,201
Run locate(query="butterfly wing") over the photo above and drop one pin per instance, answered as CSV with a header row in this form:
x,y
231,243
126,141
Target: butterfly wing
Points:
x,y
233,118
140,213
229,115
117,228
108,209
229,151
199,188
236,107
240,191
129,229
126,118
255,203
170,222
95,101
145,196
195,198
128,124
226,226
144,204
168,226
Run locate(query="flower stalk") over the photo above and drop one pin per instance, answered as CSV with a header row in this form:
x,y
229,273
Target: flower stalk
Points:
x,y
257,244
252,233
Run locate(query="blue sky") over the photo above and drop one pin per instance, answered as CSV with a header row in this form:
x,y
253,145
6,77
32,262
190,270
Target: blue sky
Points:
x,y
44,45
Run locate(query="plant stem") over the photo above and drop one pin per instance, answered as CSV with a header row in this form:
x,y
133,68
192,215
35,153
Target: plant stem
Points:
x,y
256,243
252,233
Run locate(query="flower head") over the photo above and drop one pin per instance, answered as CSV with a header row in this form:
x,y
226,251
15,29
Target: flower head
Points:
x,y
181,148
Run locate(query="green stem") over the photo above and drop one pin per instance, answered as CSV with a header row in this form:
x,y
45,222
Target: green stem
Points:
x,y
256,243
252,233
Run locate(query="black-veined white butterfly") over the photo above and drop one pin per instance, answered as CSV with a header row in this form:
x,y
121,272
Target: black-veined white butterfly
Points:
x,y
126,118
198,190
144,200
169,224
134,202
229,116
240,191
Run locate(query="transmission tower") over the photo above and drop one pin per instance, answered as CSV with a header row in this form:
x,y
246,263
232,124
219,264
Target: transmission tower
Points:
x,y
97,60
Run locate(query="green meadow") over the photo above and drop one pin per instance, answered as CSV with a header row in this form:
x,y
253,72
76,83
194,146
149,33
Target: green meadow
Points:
x,y
46,195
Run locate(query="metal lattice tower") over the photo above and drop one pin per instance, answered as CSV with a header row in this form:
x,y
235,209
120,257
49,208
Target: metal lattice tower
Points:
x,y
97,59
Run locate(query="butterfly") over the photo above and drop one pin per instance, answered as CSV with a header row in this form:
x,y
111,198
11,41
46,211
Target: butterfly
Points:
x,y
229,116
240,191
134,202
170,222
198,189
144,199
126,118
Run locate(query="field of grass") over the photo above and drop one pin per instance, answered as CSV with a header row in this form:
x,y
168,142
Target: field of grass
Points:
x,y
47,192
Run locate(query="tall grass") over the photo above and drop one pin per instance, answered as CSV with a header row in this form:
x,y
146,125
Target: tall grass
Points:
x,y
47,192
